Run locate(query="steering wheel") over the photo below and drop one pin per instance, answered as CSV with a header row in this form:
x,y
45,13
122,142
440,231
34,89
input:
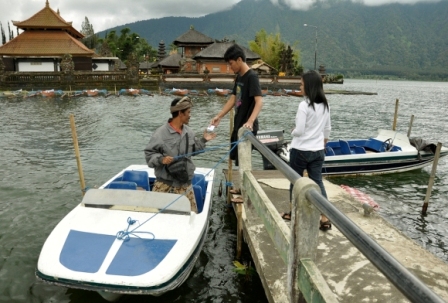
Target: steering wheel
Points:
x,y
388,144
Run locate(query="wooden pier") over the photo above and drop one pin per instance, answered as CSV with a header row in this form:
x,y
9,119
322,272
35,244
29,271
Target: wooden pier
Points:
x,y
329,268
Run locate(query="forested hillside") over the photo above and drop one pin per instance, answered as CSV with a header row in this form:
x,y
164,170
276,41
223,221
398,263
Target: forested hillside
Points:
x,y
408,41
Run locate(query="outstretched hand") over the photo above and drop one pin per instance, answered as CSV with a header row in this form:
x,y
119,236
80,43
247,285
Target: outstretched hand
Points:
x,y
209,136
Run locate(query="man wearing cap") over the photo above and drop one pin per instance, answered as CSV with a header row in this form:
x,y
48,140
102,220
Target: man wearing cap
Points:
x,y
171,140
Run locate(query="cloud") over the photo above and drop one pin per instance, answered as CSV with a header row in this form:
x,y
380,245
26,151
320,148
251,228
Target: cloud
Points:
x,y
306,4
103,14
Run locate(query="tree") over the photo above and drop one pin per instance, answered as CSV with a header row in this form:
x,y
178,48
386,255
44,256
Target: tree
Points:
x,y
126,44
275,52
2,33
268,46
90,38
11,33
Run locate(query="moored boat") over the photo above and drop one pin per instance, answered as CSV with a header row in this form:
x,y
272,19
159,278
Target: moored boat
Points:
x,y
122,240
95,92
223,92
388,152
294,92
134,92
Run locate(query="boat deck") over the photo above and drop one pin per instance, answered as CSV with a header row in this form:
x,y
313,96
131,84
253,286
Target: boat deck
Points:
x,y
350,276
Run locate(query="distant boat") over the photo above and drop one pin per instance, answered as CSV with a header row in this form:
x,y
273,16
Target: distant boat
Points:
x,y
224,92
179,92
91,248
294,92
51,93
95,92
134,92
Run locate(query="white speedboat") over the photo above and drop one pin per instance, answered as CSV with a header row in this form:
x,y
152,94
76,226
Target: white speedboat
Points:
x,y
388,152
125,239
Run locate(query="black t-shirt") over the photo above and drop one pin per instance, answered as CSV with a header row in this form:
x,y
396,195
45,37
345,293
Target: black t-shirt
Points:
x,y
246,88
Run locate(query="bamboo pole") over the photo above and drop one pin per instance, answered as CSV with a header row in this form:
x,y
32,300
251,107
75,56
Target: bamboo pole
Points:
x,y
229,171
410,126
394,126
431,178
78,158
239,230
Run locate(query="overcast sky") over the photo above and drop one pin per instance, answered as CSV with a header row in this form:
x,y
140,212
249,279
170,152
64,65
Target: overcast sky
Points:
x,y
104,14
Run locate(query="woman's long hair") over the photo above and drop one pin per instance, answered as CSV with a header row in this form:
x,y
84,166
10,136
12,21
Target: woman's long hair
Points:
x,y
314,89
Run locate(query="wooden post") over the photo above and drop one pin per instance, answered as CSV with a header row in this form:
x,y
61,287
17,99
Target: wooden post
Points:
x,y
410,126
229,171
239,230
394,126
78,158
245,164
304,234
431,178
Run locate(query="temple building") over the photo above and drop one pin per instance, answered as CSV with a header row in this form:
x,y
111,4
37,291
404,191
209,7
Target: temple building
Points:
x,y
200,54
212,58
45,38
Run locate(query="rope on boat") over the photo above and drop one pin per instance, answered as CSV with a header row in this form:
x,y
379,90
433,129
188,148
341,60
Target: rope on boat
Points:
x,y
125,234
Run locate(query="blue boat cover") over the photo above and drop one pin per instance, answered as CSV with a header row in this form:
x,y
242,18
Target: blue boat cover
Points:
x,y
85,252
138,256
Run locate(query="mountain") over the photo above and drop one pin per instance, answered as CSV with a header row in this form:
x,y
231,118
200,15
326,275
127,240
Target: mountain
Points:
x,y
407,41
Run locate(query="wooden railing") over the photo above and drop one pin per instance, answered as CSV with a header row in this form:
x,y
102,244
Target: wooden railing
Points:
x,y
78,80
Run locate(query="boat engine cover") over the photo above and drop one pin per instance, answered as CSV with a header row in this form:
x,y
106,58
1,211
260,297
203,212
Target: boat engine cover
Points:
x,y
272,139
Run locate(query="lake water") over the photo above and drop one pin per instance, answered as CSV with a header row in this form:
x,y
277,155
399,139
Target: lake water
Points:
x,y
40,184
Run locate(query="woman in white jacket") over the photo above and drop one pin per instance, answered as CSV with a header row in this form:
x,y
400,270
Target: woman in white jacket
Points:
x,y
310,135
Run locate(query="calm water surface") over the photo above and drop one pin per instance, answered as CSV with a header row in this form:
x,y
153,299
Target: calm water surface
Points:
x,y
39,178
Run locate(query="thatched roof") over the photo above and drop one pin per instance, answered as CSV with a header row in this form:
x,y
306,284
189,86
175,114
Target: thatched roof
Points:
x,y
192,36
263,66
147,65
218,49
171,61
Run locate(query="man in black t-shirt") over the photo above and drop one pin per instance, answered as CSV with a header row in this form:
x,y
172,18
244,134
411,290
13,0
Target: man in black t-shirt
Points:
x,y
246,96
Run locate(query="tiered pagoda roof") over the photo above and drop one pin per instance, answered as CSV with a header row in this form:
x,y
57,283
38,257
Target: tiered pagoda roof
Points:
x,y
48,19
46,33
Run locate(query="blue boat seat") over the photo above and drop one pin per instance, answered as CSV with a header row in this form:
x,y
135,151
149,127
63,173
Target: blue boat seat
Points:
x,y
329,151
199,180
137,176
359,149
199,197
345,148
122,185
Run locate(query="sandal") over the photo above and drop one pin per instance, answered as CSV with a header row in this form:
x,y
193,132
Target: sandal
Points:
x,y
325,225
286,216
235,191
237,199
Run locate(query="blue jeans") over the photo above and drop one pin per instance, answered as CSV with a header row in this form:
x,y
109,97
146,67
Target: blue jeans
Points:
x,y
300,160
